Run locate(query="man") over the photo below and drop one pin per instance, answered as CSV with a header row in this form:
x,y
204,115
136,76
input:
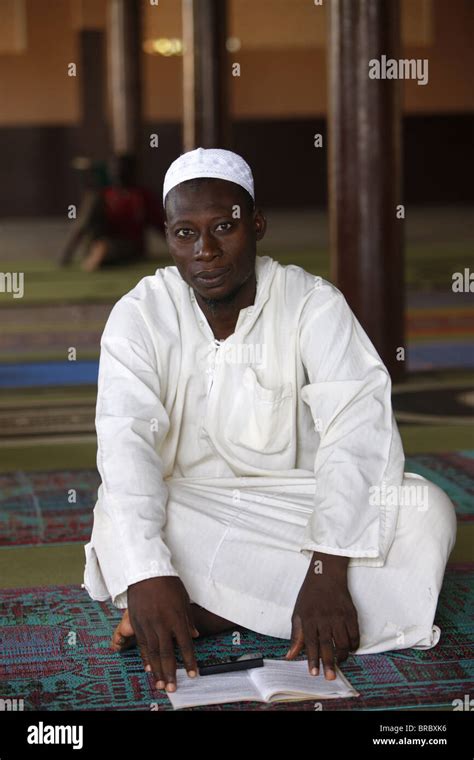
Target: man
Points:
x,y
252,470
114,219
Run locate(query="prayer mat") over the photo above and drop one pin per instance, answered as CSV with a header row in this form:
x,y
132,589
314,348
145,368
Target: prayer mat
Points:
x,y
34,417
428,266
454,473
35,507
439,335
430,403
35,374
51,285
55,656
436,354
43,333
440,322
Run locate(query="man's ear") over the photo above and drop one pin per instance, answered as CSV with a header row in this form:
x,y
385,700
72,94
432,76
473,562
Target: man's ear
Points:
x,y
260,224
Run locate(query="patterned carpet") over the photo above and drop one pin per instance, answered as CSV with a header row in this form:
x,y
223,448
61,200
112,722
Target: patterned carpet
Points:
x,y
37,374
437,337
35,507
54,640
55,656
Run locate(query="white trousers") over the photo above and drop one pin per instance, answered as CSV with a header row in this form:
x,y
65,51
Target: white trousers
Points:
x,y
236,550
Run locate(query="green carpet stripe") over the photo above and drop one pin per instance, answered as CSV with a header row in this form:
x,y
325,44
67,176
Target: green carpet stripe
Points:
x,y
64,563
464,548
440,376
41,565
48,394
45,283
73,456
433,439
92,353
417,439
44,356
54,327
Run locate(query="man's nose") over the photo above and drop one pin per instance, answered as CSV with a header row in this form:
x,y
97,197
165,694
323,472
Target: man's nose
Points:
x,y
207,245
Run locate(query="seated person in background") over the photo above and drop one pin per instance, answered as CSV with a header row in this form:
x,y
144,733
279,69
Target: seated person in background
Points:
x,y
252,470
114,219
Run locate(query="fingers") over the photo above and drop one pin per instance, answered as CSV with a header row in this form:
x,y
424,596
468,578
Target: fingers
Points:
x,y
312,649
144,655
190,618
318,644
353,633
341,641
186,647
151,647
167,659
160,609
326,649
159,657
297,638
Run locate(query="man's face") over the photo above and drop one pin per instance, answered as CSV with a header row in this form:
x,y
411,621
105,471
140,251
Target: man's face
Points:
x,y
210,227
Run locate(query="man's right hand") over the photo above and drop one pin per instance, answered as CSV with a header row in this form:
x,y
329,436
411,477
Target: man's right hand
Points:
x,y
159,608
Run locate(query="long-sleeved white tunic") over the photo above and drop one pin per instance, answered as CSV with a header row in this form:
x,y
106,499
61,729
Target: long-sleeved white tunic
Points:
x,y
296,395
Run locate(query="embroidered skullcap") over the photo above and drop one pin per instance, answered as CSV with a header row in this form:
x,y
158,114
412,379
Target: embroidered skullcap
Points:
x,y
215,163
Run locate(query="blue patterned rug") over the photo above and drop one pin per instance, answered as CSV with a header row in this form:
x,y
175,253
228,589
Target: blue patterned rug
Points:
x,y
34,506
55,655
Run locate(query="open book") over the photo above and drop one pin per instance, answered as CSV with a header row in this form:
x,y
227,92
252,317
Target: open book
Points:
x,y
277,681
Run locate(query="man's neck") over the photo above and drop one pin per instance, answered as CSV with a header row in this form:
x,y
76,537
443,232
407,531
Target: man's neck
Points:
x,y
222,314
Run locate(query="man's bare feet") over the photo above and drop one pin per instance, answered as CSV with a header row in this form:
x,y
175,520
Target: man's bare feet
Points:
x,y
206,622
96,255
123,637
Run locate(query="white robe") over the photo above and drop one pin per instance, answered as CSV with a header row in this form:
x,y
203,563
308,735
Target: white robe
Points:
x,y
227,463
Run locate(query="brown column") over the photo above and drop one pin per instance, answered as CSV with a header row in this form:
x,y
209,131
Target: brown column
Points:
x,y
365,171
124,75
93,129
206,122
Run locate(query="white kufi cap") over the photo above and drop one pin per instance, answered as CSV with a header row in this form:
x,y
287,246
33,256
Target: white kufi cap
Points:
x,y
214,163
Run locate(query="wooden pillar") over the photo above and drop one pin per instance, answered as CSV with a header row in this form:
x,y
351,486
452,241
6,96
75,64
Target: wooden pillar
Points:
x,y
365,171
206,122
124,74
93,129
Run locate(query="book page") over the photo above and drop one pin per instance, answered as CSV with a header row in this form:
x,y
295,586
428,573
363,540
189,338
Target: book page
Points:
x,y
214,689
291,678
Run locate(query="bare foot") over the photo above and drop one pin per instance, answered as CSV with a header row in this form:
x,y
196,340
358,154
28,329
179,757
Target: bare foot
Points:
x,y
123,637
206,622
96,255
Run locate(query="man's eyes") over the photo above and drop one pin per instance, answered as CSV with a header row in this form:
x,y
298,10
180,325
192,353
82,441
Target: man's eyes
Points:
x,y
185,232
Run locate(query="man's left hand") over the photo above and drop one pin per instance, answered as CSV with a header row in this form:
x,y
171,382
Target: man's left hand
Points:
x,y
324,619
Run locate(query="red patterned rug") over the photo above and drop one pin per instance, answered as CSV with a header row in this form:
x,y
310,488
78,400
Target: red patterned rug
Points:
x,y
56,507
55,656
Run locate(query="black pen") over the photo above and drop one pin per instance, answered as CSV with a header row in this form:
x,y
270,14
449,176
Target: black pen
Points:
x,y
245,662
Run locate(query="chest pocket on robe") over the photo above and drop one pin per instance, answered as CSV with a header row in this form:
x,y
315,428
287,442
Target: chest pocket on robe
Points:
x,y
260,419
